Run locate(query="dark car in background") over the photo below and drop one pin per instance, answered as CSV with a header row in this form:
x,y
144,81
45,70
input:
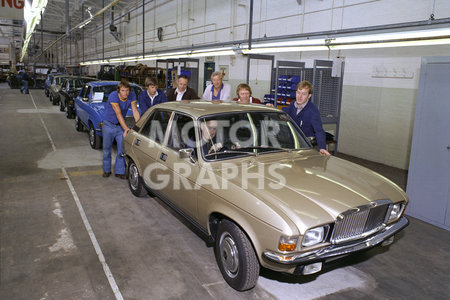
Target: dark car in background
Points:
x,y
48,82
55,86
90,107
70,89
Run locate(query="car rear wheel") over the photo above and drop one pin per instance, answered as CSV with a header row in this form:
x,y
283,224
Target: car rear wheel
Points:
x,y
54,100
135,181
235,256
94,138
61,106
78,124
70,113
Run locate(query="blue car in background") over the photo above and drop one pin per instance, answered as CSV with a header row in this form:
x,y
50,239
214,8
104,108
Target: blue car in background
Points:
x,y
90,107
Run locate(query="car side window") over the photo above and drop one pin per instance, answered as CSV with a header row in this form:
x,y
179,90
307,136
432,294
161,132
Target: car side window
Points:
x,y
181,133
87,90
156,125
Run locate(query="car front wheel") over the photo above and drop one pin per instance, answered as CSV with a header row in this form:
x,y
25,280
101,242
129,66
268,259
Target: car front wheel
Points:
x,y
94,138
61,106
135,181
235,256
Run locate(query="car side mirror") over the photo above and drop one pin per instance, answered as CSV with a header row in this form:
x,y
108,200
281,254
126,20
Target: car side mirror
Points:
x,y
312,140
187,153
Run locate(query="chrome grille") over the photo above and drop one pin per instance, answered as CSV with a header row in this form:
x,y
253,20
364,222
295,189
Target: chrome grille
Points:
x,y
360,222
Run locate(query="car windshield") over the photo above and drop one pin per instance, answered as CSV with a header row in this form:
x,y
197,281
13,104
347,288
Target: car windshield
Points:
x,y
79,82
59,80
103,91
250,133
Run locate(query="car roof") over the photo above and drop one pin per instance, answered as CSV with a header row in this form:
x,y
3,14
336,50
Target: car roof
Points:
x,y
198,108
82,77
108,82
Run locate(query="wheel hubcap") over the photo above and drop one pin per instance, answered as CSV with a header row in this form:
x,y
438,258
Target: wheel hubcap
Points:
x,y
92,136
133,176
229,255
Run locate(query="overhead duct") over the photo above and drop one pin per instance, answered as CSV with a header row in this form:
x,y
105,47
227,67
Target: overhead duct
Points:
x,y
112,27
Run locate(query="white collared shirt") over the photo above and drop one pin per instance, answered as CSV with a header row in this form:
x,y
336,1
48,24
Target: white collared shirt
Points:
x,y
299,108
180,94
152,98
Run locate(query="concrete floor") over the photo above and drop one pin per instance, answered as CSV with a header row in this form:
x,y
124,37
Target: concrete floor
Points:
x,y
143,249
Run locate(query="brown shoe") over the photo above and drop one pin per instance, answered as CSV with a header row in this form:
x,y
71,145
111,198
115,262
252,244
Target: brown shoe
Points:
x,y
121,176
106,174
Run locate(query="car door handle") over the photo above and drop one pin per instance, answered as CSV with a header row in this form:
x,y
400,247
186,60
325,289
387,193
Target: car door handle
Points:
x,y
163,156
138,142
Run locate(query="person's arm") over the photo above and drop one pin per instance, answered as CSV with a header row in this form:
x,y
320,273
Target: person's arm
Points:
x,y
192,94
207,93
226,93
162,96
170,95
119,116
143,106
316,123
136,113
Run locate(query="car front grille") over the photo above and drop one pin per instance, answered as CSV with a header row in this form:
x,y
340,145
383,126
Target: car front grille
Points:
x,y
360,222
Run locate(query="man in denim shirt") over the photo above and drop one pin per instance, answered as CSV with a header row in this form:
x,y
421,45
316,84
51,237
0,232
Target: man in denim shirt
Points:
x,y
114,126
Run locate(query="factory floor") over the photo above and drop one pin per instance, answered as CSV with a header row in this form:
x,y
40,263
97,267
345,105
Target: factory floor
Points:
x,y
68,233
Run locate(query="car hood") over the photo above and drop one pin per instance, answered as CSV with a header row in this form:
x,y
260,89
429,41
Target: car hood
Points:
x,y
312,189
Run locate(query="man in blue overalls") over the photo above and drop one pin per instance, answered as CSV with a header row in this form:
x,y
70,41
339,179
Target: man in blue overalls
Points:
x,y
114,126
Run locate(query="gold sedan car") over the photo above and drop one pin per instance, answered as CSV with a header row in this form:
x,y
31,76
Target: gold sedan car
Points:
x,y
248,178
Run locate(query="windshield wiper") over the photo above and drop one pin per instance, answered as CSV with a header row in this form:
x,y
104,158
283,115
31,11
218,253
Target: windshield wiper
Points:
x,y
232,152
267,148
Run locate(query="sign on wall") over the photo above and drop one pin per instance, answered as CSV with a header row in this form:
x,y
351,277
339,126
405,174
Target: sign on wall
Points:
x,y
12,9
224,71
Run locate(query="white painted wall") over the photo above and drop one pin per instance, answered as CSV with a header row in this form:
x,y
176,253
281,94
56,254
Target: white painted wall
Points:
x,y
378,106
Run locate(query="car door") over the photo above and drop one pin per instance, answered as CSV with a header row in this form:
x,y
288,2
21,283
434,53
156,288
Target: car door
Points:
x,y
147,145
181,172
82,105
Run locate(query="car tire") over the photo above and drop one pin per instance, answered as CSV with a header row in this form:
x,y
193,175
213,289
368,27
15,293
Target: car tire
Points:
x,y
94,139
46,93
61,106
236,257
50,97
78,124
135,182
70,113
54,101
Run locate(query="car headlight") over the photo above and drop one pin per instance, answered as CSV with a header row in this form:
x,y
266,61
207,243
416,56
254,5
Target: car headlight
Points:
x,y
395,211
314,236
288,243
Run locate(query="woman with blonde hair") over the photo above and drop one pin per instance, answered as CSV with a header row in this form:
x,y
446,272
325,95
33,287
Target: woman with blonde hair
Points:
x,y
244,95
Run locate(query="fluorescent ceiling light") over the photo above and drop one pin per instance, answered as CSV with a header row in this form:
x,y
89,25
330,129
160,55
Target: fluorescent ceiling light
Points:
x,y
439,36
405,35
284,49
32,16
392,44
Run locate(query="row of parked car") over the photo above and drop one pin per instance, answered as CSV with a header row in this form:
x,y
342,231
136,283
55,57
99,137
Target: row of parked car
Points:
x,y
84,99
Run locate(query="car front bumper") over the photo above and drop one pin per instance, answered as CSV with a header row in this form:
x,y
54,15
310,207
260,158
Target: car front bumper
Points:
x,y
322,254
